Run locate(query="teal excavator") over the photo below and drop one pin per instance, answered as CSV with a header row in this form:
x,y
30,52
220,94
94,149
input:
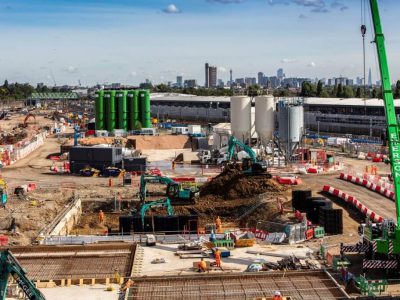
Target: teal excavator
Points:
x,y
250,166
175,192
155,204
10,267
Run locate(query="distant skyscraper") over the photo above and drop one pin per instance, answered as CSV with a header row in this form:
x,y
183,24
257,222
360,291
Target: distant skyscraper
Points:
x,y
179,81
260,78
369,77
212,77
231,79
250,80
206,84
190,83
280,74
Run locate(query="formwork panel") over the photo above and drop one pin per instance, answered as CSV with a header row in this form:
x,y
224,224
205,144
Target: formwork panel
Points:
x,y
76,262
297,284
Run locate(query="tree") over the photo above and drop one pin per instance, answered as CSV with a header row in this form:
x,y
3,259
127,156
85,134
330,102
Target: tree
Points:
x,y
319,88
397,90
334,91
340,91
324,94
307,89
374,93
359,92
348,92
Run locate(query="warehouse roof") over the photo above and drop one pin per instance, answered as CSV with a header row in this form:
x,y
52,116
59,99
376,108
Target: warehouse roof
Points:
x,y
347,102
187,98
308,101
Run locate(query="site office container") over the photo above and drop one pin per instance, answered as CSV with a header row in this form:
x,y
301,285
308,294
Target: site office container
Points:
x,y
95,154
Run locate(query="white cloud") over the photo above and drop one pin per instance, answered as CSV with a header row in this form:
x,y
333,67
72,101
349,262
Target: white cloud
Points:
x,y
311,64
71,69
133,73
172,9
288,60
222,69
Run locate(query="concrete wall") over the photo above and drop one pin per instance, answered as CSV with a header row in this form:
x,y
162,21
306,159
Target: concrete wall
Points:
x,y
68,221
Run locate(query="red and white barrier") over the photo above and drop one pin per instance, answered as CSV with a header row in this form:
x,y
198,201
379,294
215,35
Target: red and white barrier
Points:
x,y
369,185
350,199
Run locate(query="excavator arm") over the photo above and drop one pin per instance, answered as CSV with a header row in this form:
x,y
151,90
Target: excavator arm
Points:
x,y
233,142
144,179
390,111
10,267
159,203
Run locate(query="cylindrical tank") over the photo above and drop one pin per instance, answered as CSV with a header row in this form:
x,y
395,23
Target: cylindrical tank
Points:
x,y
296,123
241,117
109,98
120,99
133,108
265,117
283,120
144,100
99,107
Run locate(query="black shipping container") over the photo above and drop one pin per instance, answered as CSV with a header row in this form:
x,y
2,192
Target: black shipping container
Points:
x,y
137,164
125,224
299,198
89,155
315,206
331,220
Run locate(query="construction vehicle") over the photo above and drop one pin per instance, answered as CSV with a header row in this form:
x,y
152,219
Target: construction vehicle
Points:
x,y
215,157
3,192
112,172
381,241
250,166
89,172
25,124
159,203
10,267
175,191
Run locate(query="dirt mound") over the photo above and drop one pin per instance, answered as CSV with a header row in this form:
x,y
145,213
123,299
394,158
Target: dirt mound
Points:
x,y
159,142
233,184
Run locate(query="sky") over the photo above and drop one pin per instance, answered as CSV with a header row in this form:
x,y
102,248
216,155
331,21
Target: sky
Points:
x,y
127,41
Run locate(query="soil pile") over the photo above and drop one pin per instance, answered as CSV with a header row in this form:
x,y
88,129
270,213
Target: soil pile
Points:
x,y
159,142
233,184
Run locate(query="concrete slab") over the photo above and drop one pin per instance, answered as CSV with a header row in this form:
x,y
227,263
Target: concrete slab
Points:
x,y
237,262
96,292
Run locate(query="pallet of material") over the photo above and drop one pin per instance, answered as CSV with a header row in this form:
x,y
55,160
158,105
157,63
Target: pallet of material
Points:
x,y
180,252
199,255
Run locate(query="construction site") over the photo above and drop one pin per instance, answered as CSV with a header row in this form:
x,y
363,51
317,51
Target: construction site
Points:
x,y
102,200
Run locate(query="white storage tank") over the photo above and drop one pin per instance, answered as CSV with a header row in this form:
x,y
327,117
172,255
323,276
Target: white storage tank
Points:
x,y
296,123
241,117
265,118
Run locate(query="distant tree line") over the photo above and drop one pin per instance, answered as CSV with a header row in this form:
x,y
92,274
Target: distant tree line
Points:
x,y
20,91
309,89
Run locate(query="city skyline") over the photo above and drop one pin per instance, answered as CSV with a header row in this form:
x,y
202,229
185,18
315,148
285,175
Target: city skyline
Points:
x,y
66,41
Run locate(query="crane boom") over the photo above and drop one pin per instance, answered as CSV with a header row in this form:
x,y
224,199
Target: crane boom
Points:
x,y
10,267
390,111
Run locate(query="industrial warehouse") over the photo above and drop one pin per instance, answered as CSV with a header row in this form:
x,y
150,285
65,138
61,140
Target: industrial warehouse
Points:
x,y
341,116
142,191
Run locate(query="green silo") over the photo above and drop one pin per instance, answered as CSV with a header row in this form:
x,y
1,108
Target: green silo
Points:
x,y
99,110
134,112
144,100
120,99
109,97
